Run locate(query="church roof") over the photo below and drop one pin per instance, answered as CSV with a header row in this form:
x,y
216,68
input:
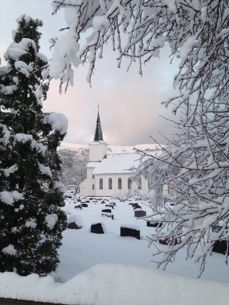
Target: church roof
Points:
x,y
98,130
118,164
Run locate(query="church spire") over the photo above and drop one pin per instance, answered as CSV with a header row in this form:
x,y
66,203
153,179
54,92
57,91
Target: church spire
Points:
x,y
98,130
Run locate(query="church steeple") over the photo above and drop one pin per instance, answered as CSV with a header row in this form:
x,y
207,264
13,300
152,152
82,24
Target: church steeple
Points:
x,y
98,130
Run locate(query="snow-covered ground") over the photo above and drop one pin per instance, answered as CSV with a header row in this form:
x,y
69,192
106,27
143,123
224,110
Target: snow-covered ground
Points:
x,y
82,249
102,269
116,285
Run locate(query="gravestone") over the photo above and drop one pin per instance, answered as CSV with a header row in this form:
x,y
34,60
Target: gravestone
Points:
x,y
106,211
109,206
78,207
167,241
73,225
220,246
139,213
108,215
135,206
97,228
127,231
154,224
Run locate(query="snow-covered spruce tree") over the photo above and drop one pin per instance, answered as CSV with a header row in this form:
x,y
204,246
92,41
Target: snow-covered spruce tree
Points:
x,y
196,163
31,221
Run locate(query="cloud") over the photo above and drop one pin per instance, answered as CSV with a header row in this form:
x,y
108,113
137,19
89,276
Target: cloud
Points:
x,y
130,105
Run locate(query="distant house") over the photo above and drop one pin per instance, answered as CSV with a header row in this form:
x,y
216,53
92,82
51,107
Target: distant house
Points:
x,y
110,174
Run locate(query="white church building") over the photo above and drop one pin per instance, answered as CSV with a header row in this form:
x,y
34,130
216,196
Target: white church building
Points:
x,y
111,174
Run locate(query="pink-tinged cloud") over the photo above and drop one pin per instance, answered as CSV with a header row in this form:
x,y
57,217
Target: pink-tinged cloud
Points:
x,y
130,105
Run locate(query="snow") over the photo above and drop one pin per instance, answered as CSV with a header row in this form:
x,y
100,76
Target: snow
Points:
x,y
70,16
4,70
59,185
72,146
10,170
10,250
204,13
172,5
158,42
6,134
65,53
82,250
118,163
39,147
16,50
42,57
103,269
115,284
31,223
100,23
23,68
74,219
45,170
51,220
39,95
7,90
114,149
187,48
58,122
10,197
23,137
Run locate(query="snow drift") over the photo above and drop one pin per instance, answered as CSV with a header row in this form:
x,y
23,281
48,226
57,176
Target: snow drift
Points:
x,y
116,285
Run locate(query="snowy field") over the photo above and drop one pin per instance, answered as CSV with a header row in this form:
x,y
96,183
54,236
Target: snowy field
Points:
x,y
82,249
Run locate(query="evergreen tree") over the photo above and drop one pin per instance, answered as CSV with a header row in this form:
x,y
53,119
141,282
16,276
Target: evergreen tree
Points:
x,y
31,219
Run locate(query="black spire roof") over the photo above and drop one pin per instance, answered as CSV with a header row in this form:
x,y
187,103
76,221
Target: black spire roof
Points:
x,y
98,130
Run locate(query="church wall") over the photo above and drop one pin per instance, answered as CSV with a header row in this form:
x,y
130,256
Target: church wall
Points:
x,y
86,187
115,191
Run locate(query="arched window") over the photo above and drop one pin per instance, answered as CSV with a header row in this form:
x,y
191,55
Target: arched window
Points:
x,y
129,183
110,183
100,183
119,183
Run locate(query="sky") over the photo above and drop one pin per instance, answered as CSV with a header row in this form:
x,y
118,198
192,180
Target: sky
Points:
x,y
130,105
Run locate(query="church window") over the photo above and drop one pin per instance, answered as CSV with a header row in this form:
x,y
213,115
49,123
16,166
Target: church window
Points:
x,y
129,183
110,183
93,186
119,183
93,176
100,183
